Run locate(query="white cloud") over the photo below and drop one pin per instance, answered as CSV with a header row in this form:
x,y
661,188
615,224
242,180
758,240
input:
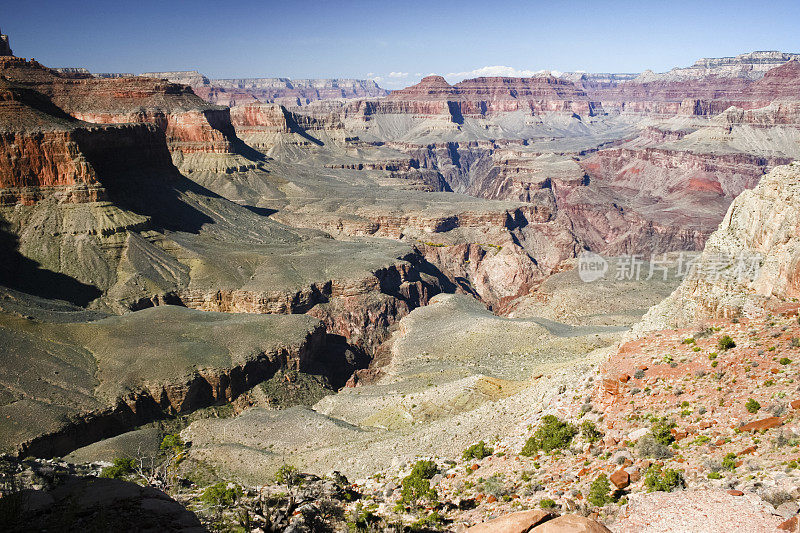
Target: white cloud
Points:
x,y
495,70
398,74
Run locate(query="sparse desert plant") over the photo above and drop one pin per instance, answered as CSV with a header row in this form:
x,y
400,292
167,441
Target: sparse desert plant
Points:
x,y
714,475
599,491
785,361
752,406
658,480
477,451
547,503
648,446
662,431
221,495
639,374
726,343
590,432
417,485
729,462
495,485
121,467
552,434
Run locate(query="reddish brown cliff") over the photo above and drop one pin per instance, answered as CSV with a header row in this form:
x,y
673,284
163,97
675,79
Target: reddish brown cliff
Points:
x,y
45,151
709,95
489,96
190,124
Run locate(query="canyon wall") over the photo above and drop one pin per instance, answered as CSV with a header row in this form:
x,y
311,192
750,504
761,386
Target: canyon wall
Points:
x,y
750,265
189,123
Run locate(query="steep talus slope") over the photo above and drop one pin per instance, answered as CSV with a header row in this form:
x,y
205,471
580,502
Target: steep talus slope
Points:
x,y
749,264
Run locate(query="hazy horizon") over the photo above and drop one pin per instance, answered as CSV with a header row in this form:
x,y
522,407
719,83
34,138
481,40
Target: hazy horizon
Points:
x,y
394,43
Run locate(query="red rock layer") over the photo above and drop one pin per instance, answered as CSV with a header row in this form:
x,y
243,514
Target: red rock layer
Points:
x,y
489,96
709,95
45,151
190,124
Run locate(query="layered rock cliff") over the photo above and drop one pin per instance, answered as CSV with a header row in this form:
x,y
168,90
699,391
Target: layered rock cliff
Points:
x,y
44,151
489,96
751,65
190,124
709,94
750,265
285,91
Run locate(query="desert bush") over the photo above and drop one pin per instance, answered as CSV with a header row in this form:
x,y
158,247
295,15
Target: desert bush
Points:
x,y
658,480
726,343
495,485
552,434
121,467
417,485
220,495
639,374
714,475
172,443
590,432
729,462
477,451
752,406
661,431
547,503
599,492
648,446
785,361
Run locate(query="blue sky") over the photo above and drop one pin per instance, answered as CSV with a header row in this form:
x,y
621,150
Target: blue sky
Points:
x,y
397,41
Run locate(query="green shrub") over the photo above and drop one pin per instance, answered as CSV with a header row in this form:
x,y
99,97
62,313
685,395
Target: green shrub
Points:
x,y
590,432
172,443
287,475
714,475
649,447
478,451
547,503
729,462
417,485
552,434
219,495
785,361
121,467
661,431
726,343
752,406
658,480
599,491
433,520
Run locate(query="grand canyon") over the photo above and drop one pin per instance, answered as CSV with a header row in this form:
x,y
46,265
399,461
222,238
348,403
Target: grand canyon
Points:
x,y
501,304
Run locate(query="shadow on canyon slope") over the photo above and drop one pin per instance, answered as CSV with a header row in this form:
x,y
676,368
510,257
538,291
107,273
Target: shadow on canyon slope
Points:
x,y
20,273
